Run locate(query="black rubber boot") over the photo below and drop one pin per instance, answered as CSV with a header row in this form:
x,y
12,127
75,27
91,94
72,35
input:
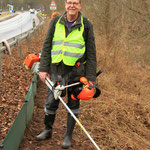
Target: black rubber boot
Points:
x,y
68,135
47,132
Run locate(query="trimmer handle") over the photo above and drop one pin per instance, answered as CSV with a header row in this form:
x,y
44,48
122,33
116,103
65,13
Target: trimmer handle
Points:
x,y
99,72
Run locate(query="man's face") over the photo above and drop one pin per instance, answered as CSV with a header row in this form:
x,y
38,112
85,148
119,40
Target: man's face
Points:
x,y
72,7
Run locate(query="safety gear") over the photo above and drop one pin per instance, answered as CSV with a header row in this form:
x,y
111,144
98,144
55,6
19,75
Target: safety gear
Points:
x,y
67,49
68,135
86,92
47,132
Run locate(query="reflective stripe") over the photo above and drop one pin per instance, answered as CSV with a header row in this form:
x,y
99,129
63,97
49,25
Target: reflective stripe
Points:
x,y
68,44
56,52
74,45
49,112
57,42
66,53
75,111
73,54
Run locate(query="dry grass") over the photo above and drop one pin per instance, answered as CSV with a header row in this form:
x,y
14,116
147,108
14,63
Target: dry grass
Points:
x,y
6,16
120,118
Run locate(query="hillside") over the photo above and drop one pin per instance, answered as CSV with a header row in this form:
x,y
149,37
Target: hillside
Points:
x,y
120,118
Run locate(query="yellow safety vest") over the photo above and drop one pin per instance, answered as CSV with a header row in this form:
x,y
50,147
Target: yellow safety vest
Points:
x,y
67,49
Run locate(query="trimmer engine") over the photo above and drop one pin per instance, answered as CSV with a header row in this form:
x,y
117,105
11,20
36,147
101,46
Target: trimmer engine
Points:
x,y
32,62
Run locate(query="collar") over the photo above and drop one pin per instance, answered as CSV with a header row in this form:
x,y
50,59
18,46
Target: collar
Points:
x,y
64,18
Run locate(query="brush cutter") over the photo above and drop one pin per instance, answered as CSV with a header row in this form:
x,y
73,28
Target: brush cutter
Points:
x,y
32,62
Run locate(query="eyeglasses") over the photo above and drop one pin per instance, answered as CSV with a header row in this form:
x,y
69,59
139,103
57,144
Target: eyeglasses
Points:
x,y
74,4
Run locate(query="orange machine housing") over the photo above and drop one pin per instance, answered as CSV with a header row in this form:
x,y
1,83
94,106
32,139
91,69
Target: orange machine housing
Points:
x,y
31,59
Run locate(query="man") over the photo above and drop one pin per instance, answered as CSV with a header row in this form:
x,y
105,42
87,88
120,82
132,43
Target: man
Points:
x,y
69,40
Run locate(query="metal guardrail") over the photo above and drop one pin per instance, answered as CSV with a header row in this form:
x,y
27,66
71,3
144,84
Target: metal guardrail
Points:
x,y
25,114
6,46
16,132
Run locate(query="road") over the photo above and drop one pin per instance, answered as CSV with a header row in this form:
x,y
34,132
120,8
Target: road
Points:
x,y
17,25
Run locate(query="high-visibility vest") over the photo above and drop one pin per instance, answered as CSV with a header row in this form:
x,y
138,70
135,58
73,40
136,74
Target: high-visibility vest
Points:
x,y
67,49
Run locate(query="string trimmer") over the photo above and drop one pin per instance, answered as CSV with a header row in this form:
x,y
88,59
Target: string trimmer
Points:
x,y
32,62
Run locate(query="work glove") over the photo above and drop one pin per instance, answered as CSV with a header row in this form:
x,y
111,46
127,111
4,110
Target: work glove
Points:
x,y
86,82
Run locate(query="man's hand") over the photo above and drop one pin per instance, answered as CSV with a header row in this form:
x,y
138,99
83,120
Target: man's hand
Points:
x,y
43,75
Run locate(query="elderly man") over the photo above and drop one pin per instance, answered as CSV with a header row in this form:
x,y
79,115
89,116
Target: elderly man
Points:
x,y
69,40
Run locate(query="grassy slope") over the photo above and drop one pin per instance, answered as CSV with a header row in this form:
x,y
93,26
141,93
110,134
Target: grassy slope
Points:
x,y
120,118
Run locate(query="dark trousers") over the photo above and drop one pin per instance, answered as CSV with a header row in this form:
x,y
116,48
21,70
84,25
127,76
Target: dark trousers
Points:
x,y
51,105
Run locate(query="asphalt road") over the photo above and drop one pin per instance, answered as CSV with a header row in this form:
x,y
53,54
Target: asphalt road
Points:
x,y
17,25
